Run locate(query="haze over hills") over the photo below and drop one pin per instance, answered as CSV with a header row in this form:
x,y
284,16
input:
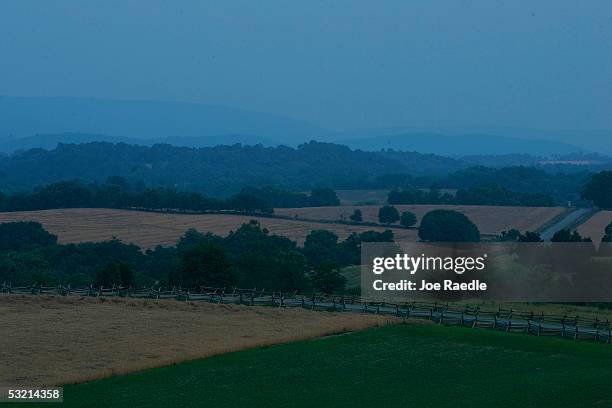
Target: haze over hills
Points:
x,y
31,122
29,116
461,145
51,141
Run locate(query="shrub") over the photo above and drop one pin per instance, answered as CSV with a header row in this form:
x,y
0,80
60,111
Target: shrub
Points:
x,y
448,226
408,219
388,214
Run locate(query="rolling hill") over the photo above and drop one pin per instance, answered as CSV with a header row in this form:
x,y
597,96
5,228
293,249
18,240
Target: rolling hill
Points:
x,y
152,120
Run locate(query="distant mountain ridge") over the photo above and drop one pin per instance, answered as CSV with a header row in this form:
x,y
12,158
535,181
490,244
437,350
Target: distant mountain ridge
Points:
x,y
28,116
461,145
51,141
30,122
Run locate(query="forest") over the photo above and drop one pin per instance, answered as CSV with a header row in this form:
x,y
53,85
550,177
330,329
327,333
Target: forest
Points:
x,y
225,170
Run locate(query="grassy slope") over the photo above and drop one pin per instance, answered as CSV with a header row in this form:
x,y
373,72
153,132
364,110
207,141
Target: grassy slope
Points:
x,y
407,365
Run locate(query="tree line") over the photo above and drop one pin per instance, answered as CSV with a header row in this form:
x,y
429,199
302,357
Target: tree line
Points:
x,y
247,257
116,192
490,194
224,170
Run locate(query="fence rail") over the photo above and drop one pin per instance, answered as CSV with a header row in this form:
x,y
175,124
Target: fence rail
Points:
x,y
508,320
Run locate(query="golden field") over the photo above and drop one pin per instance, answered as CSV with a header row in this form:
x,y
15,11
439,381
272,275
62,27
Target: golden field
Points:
x,y
58,340
489,219
149,229
595,226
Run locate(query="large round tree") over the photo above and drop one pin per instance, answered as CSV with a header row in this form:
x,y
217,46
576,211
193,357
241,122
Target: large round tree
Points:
x,y
448,226
388,214
599,189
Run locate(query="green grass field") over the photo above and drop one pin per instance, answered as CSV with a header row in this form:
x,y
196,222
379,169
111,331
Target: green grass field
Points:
x,y
403,365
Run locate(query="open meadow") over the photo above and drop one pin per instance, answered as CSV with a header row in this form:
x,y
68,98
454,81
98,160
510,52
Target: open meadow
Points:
x,y
595,226
57,340
371,197
149,229
393,366
489,219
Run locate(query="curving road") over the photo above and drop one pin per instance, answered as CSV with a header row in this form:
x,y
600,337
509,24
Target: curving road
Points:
x,y
567,221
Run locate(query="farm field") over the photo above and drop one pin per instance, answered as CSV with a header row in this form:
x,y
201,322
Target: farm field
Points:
x,y
594,227
359,197
54,340
149,229
393,366
489,219
362,197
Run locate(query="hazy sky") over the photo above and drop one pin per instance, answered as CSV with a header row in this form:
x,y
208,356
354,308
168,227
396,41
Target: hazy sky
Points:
x,y
341,64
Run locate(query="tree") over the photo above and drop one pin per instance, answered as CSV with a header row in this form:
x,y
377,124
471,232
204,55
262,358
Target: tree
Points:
x,y
599,189
511,235
323,197
108,275
408,219
116,273
326,278
356,216
565,235
126,275
289,271
249,203
22,235
207,265
530,236
608,234
321,247
23,268
448,226
388,214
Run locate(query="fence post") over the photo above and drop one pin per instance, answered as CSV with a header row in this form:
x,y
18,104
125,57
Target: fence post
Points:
x,y
563,325
576,332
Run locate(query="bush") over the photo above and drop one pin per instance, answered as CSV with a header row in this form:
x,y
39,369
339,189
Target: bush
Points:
x,y
408,219
207,265
565,235
608,234
599,189
323,197
530,236
448,226
511,235
356,216
23,235
327,279
388,214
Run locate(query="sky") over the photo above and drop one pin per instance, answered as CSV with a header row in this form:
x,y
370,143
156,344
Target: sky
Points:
x,y
344,65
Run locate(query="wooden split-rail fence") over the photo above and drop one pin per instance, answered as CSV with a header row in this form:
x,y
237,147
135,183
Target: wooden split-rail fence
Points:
x,y
508,320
